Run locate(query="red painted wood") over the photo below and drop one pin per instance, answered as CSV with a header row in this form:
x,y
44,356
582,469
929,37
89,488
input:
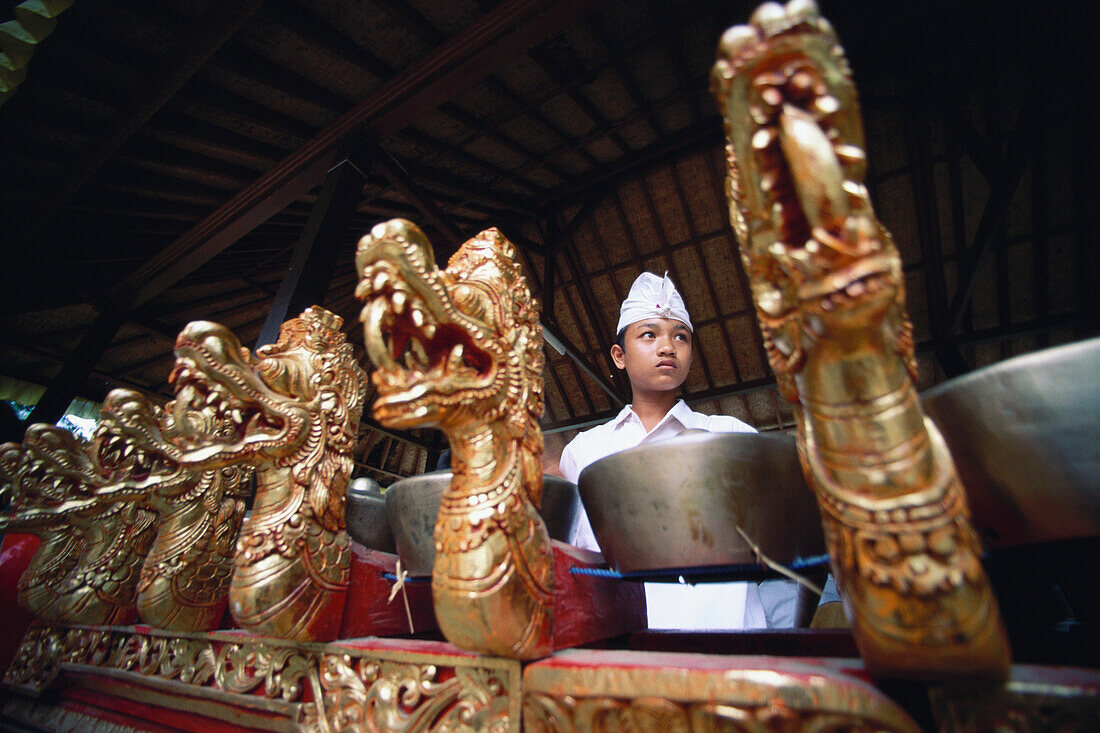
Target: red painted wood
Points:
x,y
368,610
15,556
121,710
588,608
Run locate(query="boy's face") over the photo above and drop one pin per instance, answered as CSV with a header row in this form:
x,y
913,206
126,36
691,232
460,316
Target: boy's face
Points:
x,y
656,354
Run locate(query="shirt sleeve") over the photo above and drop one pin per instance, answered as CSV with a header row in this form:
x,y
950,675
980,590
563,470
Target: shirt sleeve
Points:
x,y
568,462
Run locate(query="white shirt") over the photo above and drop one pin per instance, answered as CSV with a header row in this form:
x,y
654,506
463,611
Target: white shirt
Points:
x,y
669,606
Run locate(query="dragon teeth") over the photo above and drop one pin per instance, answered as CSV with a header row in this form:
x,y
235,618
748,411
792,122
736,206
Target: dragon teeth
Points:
x,y
399,299
380,279
417,316
454,361
763,138
826,105
418,350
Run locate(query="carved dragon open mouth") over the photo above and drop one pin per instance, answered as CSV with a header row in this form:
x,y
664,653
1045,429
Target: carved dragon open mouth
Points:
x,y
129,448
222,390
461,349
797,165
434,340
43,479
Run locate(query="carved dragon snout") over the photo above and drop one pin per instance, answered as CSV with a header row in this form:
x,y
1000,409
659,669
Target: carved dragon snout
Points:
x,y
224,410
432,340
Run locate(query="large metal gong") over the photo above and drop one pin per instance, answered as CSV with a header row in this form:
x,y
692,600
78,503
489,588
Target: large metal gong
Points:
x,y
1025,436
678,503
413,503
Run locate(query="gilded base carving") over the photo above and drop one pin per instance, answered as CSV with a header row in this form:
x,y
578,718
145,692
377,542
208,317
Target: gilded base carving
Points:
x,y
827,284
358,686
653,691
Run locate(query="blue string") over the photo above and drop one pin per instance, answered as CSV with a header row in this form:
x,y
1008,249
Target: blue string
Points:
x,y
408,578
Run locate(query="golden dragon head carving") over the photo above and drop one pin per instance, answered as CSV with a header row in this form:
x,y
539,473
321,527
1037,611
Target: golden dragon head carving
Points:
x,y
86,569
452,347
827,283
817,258
461,349
292,412
41,476
296,402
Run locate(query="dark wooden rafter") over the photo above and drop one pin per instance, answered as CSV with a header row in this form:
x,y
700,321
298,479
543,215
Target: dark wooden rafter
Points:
x,y
581,361
617,59
1003,185
950,358
693,231
309,273
557,237
76,369
464,59
564,245
112,379
403,182
467,57
718,186
210,32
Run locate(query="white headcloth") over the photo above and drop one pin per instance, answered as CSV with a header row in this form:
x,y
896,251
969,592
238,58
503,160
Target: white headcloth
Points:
x,y
651,296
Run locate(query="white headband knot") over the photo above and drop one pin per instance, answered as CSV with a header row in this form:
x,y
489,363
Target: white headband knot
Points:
x,y
651,296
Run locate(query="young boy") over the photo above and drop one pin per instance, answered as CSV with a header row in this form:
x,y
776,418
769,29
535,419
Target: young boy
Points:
x,y
653,344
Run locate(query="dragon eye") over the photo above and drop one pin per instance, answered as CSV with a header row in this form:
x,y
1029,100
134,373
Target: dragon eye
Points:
x,y
471,300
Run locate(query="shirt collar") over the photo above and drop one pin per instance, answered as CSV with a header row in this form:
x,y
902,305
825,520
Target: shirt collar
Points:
x,y
679,412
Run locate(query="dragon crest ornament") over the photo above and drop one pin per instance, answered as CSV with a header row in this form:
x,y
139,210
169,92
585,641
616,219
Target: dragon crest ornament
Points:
x,y
461,349
827,283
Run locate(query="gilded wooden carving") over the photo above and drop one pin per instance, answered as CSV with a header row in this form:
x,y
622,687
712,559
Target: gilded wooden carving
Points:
x,y
292,412
183,473
646,691
827,283
460,349
35,487
313,688
184,581
87,568
370,694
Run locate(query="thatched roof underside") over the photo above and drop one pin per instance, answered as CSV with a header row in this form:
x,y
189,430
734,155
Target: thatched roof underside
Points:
x,y
147,169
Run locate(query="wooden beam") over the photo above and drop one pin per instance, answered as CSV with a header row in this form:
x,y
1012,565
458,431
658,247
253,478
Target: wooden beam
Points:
x,y
77,368
579,359
311,265
401,180
510,28
990,227
209,33
917,131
